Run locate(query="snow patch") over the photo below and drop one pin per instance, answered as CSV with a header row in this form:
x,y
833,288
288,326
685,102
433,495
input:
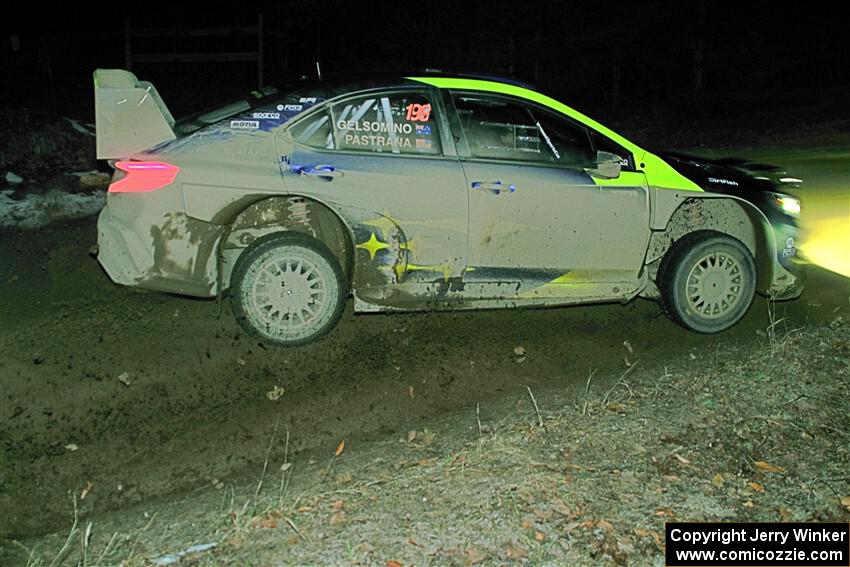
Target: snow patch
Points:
x,y
36,210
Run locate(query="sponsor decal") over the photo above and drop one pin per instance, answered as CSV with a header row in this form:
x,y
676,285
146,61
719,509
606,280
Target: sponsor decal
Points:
x,y
307,100
423,129
790,248
376,141
423,144
245,124
266,115
720,181
418,112
377,127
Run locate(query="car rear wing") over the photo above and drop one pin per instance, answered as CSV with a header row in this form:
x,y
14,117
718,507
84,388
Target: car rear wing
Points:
x,y
129,114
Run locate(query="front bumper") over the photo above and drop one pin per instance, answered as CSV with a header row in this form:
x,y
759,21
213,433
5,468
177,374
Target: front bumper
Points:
x,y
789,274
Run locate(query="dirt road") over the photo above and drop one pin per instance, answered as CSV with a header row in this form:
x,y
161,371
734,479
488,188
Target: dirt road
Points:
x,y
143,395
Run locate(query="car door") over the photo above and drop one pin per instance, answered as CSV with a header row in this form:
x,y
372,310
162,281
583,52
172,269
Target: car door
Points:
x,y
536,216
383,160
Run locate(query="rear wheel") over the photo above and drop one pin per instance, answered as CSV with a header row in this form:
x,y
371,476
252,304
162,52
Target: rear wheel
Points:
x,y
707,281
287,289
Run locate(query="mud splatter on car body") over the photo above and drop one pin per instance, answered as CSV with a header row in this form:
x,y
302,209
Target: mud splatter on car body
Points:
x,y
428,193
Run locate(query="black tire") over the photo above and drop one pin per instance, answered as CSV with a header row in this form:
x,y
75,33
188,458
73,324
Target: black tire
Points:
x,y
707,281
287,289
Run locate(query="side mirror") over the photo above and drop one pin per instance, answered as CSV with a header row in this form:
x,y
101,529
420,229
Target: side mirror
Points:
x,y
607,166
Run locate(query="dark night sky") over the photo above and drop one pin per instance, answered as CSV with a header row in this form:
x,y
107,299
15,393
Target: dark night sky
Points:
x,y
605,57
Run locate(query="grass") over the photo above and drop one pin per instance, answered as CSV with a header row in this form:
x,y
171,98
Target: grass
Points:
x,y
583,476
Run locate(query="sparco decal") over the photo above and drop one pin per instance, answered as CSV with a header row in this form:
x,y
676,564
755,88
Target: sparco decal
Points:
x,y
266,115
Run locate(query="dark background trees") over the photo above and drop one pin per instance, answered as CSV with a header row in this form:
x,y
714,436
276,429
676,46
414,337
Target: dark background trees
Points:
x,y
612,59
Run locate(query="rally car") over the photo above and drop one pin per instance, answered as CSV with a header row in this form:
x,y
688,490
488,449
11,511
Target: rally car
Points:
x,y
427,192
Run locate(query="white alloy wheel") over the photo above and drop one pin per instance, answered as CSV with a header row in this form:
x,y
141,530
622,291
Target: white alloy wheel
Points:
x,y
288,289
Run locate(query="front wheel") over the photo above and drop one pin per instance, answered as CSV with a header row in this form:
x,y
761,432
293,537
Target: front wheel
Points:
x,y
707,281
287,289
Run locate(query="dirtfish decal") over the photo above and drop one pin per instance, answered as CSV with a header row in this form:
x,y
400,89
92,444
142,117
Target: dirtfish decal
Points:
x,y
722,181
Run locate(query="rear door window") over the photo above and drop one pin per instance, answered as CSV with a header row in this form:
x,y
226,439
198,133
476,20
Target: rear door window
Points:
x,y
382,123
497,128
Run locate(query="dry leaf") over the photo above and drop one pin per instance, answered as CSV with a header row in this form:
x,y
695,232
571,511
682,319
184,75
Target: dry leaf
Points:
x,y
785,513
525,524
681,459
285,467
337,504
275,393
664,511
474,556
718,480
561,507
124,378
86,490
767,467
428,437
411,436
410,392
628,346
340,448
748,504
412,541
605,525
71,447
519,350
392,563
303,509
670,477
846,502
268,521
515,553
756,486
337,518
241,362
539,536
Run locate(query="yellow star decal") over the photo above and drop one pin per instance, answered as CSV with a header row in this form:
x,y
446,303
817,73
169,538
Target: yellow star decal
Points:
x,y
372,246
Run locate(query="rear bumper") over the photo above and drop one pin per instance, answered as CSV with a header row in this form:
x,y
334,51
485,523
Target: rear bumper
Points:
x,y
124,257
160,251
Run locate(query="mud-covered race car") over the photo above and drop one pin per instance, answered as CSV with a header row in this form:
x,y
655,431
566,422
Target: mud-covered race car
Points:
x,y
427,192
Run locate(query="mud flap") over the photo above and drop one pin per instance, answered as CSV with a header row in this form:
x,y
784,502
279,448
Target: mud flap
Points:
x,y
129,114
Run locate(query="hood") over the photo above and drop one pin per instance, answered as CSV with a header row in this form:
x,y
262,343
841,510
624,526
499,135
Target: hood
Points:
x,y
729,175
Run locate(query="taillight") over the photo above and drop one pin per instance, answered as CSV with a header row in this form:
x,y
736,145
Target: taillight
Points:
x,y
143,176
